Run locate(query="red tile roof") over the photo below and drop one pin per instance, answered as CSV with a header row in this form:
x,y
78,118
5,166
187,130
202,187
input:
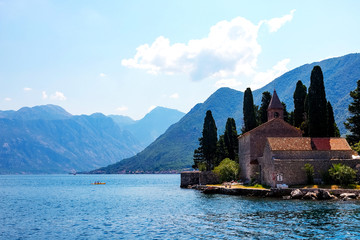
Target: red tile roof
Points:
x,y
290,143
269,123
330,144
307,144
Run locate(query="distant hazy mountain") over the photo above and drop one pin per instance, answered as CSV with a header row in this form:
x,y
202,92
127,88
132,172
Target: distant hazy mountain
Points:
x,y
47,139
174,149
147,129
45,112
122,120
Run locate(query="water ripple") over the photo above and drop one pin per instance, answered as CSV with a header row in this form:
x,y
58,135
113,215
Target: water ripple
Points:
x,y
154,207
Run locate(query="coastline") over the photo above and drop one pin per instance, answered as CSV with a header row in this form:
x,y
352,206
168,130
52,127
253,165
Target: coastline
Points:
x,y
285,193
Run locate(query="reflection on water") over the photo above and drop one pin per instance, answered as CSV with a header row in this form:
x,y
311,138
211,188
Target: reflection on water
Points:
x,y
154,207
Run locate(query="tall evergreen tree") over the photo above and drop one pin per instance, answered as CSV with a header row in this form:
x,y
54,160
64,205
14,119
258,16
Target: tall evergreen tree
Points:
x,y
317,104
291,118
249,111
221,150
265,101
333,130
285,113
353,122
299,103
230,139
209,141
198,156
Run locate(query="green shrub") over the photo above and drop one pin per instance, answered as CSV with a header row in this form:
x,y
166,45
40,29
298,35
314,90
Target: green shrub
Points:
x,y
227,170
202,166
356,147
342,174
326,178
309,170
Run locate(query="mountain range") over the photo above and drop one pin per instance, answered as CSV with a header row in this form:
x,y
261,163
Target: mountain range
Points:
x,y
47,139
174,149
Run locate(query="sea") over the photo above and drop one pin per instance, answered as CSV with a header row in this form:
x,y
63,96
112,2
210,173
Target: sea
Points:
x,y
155,207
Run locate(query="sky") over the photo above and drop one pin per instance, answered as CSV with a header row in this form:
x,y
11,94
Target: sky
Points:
x,y
127,57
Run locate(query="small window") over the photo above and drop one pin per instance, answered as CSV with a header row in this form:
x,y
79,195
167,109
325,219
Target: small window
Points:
x,y
276,114
279,177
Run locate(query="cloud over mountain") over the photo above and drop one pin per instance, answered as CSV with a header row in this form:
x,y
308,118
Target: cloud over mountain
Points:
x,y
230,50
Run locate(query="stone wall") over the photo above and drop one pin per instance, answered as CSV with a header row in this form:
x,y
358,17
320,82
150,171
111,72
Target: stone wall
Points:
x,y
251,144
275,128
334,154
287,167
244,157
189,178
197,178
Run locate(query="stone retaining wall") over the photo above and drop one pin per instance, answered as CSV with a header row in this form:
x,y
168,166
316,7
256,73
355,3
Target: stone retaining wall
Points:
x,y
197,178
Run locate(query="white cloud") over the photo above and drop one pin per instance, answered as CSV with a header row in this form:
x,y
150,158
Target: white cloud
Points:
x,y
8,99
27,89
102,75
231,49
58,96
151,108
44,95
276,23
263,78
231,82
174,96
122,109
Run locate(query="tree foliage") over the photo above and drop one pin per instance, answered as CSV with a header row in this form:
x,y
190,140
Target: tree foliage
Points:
x,y
249,111
342,174
227,170
317,104
333,130
309,171
221,151
206,153
353,122
265,101
286,114
231,139
299,103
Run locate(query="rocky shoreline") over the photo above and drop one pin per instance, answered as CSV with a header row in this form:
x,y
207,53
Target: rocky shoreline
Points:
x,y
286,194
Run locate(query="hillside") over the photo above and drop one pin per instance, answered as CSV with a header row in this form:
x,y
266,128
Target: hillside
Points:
x,y
155,123
174,149
47,139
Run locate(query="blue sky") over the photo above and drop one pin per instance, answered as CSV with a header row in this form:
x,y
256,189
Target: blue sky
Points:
x,y
126,57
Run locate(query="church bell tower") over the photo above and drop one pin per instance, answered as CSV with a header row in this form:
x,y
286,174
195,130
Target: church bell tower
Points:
x,y
275,109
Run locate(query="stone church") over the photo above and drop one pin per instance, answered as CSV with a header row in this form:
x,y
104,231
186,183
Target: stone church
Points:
x,y
275,152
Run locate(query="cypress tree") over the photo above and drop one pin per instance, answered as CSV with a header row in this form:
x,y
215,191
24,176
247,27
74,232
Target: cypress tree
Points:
x,y
221,151
209,140
299,103
249,111
230,139
333,130
291,118
286,113
317,104
353,122
198,156
265,101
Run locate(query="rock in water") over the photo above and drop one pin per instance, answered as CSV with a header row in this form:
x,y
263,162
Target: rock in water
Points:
x,y
296,194
310,196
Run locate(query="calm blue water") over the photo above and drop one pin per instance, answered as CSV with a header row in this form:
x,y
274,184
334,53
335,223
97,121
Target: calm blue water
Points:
x,y
154,207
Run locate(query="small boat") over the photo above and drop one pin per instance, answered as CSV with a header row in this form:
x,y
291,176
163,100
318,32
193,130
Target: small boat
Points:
x,y
98,183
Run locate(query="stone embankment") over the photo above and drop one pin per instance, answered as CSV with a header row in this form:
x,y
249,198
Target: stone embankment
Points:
x,y
286,194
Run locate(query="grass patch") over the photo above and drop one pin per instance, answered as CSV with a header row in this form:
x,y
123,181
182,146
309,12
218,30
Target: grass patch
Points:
x,y
257,186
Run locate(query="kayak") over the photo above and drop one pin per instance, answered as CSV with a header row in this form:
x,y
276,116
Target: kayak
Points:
x,y
98,183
